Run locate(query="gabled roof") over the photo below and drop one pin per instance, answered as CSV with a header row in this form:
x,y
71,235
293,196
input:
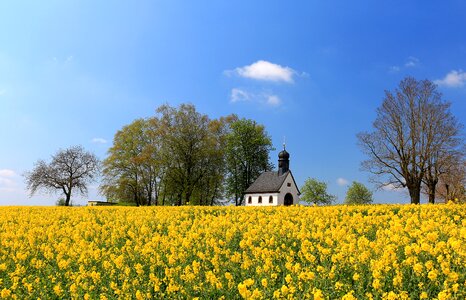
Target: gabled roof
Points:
x,y
268,182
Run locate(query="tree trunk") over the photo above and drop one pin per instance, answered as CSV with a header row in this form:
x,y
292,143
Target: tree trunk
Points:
x,y
431,188
68,199
415,193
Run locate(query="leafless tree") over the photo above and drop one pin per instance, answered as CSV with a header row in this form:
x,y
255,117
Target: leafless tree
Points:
x,y
70,170
452,185
414,134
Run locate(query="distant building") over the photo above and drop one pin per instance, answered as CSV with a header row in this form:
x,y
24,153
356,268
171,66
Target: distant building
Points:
x,y
275,187
99,203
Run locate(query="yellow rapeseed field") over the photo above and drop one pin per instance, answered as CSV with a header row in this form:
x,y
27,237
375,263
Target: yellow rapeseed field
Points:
x,y
337,252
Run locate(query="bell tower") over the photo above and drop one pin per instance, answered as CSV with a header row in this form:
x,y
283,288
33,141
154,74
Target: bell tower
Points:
x,y
283,161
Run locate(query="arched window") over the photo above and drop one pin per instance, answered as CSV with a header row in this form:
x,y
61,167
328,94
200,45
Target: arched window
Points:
x,y
260,199
249,199
271,199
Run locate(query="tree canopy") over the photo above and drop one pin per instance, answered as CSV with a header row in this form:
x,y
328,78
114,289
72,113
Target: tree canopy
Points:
x,y
315,191
247,155
182,157
358,193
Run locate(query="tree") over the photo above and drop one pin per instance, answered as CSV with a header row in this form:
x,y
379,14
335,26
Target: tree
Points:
x,y
70,170
132,172
452,185
247,155
315,191
191,150
412,126
358,194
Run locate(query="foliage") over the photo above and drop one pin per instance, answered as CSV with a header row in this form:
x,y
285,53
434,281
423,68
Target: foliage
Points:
x,y
358,194
337,252
414,140
132,172
71,169
175,157
62,202
247,155
315,191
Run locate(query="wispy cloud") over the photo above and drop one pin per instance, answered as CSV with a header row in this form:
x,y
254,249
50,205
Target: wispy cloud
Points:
x,y
99,141
392,188
412,62
7,173
238,95
342,181
453,79
273,100
264,98
2,92
265,71
7,182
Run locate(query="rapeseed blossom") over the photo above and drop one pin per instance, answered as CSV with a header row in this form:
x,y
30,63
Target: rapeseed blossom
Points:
x,y
335,252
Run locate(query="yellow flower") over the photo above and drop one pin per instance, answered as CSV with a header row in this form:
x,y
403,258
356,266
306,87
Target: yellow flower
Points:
x,y
264,282
432,275
5,293
423,295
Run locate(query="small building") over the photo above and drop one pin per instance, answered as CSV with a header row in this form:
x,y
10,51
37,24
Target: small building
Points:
x,y
99,203
275,187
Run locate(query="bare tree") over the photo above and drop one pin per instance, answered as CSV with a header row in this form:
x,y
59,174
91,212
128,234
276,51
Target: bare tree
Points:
x,y
452,185
70,170
413,132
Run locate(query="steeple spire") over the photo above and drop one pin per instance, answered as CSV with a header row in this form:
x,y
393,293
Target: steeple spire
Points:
x,y
283,160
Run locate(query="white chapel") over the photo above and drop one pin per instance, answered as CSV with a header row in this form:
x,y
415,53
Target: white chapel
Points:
x,y
275,187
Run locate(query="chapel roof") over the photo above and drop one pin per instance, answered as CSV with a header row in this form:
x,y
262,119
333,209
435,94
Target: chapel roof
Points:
x,y
268,182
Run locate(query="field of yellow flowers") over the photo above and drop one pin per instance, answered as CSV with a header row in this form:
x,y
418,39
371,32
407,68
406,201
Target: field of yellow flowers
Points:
x,y
336,252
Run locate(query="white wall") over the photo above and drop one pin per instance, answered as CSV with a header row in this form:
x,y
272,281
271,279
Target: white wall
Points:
x,y
293,189
265,199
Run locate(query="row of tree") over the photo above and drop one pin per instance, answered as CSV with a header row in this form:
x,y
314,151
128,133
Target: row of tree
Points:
x,y
180,156
315,192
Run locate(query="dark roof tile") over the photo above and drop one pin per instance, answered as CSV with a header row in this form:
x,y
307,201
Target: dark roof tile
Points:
x,y
267,182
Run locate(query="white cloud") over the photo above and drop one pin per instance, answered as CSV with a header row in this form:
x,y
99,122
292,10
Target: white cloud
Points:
x,y
7,173
394,69
342,181
264,98
273,100
453,79
239,95
412,62
267,71
392,188
7,184
99,141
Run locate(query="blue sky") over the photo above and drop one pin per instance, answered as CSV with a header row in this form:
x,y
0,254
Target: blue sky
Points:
x,y
74,72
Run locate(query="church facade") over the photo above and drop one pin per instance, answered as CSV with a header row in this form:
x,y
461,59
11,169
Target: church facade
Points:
x,y
275,187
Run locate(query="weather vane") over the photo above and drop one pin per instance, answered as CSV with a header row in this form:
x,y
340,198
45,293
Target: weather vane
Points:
x,y
284,142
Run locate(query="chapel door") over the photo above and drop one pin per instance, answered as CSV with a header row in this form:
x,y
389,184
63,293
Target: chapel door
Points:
x,y
288,199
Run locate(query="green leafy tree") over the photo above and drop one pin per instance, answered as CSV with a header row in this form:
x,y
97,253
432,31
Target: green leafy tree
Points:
x,y
247,155
315,191
131,171
358,194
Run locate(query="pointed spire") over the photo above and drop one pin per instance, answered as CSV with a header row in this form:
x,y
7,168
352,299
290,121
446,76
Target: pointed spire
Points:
x,y
284,142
